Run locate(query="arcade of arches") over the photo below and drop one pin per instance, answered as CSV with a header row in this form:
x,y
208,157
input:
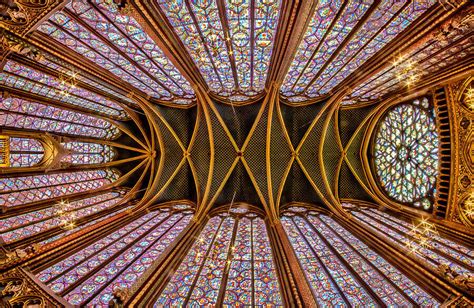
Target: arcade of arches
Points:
x,y
269,153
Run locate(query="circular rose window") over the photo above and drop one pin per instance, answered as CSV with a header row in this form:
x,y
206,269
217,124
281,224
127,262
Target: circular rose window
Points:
x,y
406,153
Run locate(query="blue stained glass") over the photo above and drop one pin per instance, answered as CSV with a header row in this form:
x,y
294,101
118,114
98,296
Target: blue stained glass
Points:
x,y
25,225
25,152
398,231
132,55
28,79
312,52
406,153
24,114
26,189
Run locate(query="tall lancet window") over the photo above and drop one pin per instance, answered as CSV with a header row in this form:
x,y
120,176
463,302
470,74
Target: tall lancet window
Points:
x,y
90,275
432,248
231,42
83,153
406,153
22,77
21,190
18,113
18,227
230,264
341,269
25,152
19,152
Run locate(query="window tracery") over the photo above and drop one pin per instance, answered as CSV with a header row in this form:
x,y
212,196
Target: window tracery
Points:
x,y
59,66
444,48
20,152
22,226
25,114
435,252
406,153
231,50
118,44
116,260
21,190
232,259
25,78
341,269
83,153
317,68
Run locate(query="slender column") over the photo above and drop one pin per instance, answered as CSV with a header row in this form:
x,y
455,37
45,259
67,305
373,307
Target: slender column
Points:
x,y
295,288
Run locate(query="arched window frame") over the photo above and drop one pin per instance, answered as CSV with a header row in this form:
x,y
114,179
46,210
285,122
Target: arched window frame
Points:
x,y
368,149
159,229
341,250
45,223
14,191
207,241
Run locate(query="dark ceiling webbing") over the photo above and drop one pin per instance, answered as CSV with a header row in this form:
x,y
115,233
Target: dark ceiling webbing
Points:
x,y
255,154
298,189
181,120
224,154
181,187
309,153
239,183
239,120
331,153
349,187
353,154
201,153
172,155
280,154
350,119
298,119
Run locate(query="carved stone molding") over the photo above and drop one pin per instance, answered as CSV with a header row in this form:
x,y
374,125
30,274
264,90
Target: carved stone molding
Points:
x,y
19,289
21,16
462,116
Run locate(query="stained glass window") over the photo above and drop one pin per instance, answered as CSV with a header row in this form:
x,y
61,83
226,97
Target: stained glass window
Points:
x,y
232,49
24,114
25,78
21,190
341,269
118,44
422,61
21,226
83,153
436,251
317,69
90,222
406,153
321,41
232,248
59,66
25,152
89,276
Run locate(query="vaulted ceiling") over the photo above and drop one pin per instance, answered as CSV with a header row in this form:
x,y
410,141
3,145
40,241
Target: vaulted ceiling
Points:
x,y
240,100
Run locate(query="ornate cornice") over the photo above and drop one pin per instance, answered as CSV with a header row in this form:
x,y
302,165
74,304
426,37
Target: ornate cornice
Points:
x,y
22,16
